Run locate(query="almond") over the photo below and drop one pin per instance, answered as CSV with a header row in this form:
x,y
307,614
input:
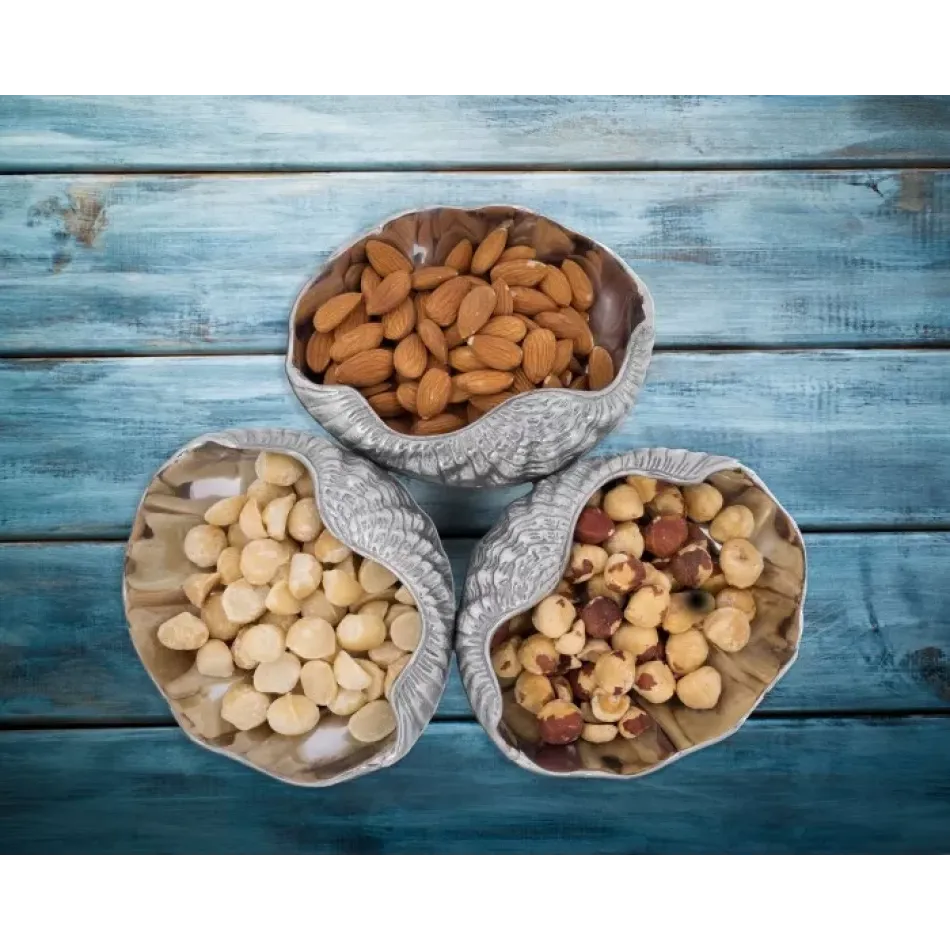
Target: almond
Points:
x,y
508,328
399,322
485,382
433,394
579,383
428,278
521,384
318,351
475,310
386,405
495,352
477,281
528,301
452,336
386,259
355,318
463,360
519,252
582,292
563,354
438,425
366,337
557,286
551,382
488,252
329,377
487,403
390,293
434,339
539,350
369,281
351,279
365,369
406,394
444,302
460,257
331,314
458,394
564,324
504,304
584,342
401,424
410,357
519,273
370,391
600,368
473,412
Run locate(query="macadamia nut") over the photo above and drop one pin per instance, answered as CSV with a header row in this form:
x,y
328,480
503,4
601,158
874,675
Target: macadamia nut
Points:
x,y
303,522
736,521
374,578
204,543
305,575
741,562
292,715
214,659
243,602
405,630
341,588
373,722
229,565
346,702
263,642
312,638
358,633
700,689
686,652
280,601
251,522
655,682
377,679
623,503
244,707
219,625
349,674
393,672
703,502
226,511
317,605
241,660
728,628
388,653
184,631
275,516
318,682
264,493
277,676
328,550
197,587
275,468
260,559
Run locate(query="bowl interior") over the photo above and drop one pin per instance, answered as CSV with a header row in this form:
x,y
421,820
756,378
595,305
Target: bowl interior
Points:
x,y
156,567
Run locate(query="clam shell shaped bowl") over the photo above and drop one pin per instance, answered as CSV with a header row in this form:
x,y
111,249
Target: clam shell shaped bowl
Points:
x,y
363,507
522,559
529,435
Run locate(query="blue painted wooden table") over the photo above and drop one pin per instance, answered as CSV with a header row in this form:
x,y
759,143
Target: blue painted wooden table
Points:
x,y
799,254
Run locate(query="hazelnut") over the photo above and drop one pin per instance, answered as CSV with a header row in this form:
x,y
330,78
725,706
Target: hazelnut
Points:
x,y
716,582
560,722
702,502
741,562
740,599
225,512
373,722
553,616
504,659
592,650
582,682
656,577
692,565
614,672
305,575
641,643
184,631
318,682
292,715
668,500
229,565
623,503
686,652
263,642
609,707
624,573
214,659
634,723
687,609
277,676
243,602
244,707
700,689
601,618
736,521
405,629
626,539
374,578
349,674
572,642
655,682
275,516
565,589
562,688
697,534
646,487
358,633
646,607
597,587
728,628
665,535
598,732
204,543
586,561
532,691
278,469
593,527
538,655
312,638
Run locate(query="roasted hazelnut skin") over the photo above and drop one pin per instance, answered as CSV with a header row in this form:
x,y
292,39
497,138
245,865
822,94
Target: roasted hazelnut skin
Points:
x,y
728,628
646,607
614,672
634,723
740,599
626,539
665,535
562,688
560,722
692,565
593,526
686,652
643,643
532,691
687,609
741,562
538,655
601,618
586,561
703,502
700,689
736,521
655,682
504,659
668,500
582,682
624,573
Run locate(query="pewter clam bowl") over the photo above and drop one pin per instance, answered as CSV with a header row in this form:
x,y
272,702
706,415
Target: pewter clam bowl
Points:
x,y
522,559
366,509
530,435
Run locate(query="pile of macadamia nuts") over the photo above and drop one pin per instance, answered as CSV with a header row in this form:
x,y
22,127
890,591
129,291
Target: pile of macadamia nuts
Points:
x,y
658,585
299,623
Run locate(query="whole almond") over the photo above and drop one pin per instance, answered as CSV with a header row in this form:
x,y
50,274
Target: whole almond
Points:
x,y
488,252
390,293
410,357
477,281
539,351
600,368
508,328
433,394
351,279
438,425
355,318
584,342
331,314
365,369
557,286
564,324
428,278
551,382
365,337
399,322
452,336
521,382
318,351
386,405
582,292
444,302
369,281
519,252
519,273
460,257
434,339
475,310
458,394
504,304
401,424
406,394
579,383
329,377
495,352
563,353
463,360
370,391
487,403
485,382
529,301
386,259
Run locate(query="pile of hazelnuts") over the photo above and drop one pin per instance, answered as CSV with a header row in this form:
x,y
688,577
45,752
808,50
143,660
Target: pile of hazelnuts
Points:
x,y
659,575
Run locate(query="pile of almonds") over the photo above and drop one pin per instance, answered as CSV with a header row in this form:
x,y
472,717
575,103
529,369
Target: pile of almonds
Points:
x,y
435,348
658,577
299,622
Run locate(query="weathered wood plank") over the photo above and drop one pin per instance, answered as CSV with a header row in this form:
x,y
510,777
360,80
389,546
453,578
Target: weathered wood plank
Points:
x,y
844,438
877,635
777,786
53,133
165,265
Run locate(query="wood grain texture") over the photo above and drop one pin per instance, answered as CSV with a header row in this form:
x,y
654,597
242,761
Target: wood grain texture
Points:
x,y
877,633
212,264
53,133
844,438
776,786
